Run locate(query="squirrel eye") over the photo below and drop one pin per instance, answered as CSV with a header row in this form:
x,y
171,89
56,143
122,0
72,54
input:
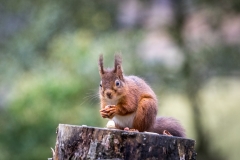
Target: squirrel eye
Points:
x,y
100,84
117,83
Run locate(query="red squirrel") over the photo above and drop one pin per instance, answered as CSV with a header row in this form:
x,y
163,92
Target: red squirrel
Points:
x,y
131,103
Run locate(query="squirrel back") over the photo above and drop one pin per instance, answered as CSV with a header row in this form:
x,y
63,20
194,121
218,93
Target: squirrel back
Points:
x,y
131,103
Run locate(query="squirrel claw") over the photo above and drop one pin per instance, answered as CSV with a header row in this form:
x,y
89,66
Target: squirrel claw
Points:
x,y
104,114
165,132
130,130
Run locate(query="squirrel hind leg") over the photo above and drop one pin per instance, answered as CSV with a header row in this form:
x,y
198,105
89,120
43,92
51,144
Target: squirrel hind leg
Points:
x,y
169,124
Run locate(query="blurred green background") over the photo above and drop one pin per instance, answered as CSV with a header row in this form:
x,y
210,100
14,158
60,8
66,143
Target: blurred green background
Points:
x,y
188,51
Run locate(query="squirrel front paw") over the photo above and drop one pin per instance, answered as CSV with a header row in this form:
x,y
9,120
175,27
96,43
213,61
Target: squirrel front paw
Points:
x,y
108,112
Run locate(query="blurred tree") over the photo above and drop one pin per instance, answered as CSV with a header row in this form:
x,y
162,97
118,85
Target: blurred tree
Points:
x,y
199,67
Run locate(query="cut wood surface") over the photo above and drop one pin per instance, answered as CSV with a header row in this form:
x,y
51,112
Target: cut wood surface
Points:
x,y
84,142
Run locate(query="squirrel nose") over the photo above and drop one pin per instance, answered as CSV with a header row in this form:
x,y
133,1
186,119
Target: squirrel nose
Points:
x,y
109,95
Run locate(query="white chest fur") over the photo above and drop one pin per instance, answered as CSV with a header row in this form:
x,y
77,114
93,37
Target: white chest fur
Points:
x,y
124,121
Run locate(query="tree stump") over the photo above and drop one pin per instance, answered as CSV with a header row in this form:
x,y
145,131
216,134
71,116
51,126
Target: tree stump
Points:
x,y
84,142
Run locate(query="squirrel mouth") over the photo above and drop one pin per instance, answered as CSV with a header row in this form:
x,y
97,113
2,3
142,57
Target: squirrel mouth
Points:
x,y
109,96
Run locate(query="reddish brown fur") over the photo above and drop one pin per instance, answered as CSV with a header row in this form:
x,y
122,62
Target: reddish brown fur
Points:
x,y
170,124
145,115
133,95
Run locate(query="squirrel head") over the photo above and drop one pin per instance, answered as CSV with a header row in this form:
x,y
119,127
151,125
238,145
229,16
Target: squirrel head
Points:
x,y
112,84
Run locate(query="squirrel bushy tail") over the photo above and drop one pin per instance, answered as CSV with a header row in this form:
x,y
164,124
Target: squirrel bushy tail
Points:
x,y
170,124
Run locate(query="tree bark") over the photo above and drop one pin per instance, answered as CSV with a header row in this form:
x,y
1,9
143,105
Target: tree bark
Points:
x,y
82,142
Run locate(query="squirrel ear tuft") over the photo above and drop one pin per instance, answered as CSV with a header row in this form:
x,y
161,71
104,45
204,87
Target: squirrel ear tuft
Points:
x,y
118,66
100,65
119,72
117,62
